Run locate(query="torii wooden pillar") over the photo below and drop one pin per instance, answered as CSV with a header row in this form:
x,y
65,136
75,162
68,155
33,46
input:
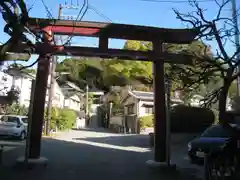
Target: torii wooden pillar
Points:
x,y
104,31
160,113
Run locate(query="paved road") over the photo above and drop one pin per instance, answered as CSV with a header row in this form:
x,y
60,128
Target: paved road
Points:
x,y
98,155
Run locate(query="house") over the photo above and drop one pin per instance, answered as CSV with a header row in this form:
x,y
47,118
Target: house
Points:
x,y
138,104
67,95
6,81
22,82
72,96
58,96
71,100
141,103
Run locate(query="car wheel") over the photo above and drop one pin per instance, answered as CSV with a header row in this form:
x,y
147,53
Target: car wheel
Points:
x,y
22,136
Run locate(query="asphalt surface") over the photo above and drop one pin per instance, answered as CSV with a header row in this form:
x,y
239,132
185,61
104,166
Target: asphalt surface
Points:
x,y
93,155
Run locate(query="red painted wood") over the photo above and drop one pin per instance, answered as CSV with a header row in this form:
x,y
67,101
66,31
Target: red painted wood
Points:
x,y
66,30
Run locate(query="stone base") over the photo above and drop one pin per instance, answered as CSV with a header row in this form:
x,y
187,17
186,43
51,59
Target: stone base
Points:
x,y
161,165
32,163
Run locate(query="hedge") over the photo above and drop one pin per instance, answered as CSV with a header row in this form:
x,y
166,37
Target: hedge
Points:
x,y
146,121
62,118
190,119
185,119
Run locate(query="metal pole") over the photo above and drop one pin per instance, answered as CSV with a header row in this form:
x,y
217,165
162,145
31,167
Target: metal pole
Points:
x,y
51,87
235,21
50,94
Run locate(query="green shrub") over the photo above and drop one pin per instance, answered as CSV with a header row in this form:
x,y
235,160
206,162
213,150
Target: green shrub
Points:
x,y
61,118
190,119
66,119
146,121
16,109
54,117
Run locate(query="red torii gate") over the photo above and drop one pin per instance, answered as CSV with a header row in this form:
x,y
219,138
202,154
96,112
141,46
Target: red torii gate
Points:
x,y
104,31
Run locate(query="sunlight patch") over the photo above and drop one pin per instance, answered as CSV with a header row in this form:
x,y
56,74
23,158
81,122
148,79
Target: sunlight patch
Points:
x,y
103,145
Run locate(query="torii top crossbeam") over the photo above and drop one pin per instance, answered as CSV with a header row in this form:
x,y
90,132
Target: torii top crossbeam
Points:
x,y
104,31
118,31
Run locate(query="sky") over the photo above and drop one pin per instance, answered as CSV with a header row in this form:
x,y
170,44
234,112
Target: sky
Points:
x,y
158,13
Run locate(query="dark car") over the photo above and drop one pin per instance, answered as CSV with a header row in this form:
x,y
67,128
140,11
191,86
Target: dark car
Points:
x,y
212,139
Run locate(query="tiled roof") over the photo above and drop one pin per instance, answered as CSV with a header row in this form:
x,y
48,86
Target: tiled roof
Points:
x,y
142,95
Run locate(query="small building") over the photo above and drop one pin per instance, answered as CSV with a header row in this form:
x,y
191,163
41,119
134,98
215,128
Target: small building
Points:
x,y
72,94
23,82
72,100
138,104
57,98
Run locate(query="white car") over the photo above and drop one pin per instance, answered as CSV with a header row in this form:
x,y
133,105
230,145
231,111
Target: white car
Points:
x,y
13,125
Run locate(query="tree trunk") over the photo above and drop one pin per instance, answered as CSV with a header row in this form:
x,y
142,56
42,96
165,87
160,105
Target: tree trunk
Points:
x,y
223,101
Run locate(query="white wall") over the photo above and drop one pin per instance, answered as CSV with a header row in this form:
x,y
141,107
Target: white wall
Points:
x,y
138,108
24,86
142,109
118,120
73,103
58,97
5,83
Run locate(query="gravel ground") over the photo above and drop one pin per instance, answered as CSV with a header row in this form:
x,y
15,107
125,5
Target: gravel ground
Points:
x,y
91,155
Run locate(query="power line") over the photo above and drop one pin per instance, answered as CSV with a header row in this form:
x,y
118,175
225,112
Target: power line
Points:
x,y
100,13
176,1
79,17
49,14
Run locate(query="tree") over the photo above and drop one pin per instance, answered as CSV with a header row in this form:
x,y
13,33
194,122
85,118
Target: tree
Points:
x,y
222,64
15,14
16,109
21,68
101,73
180,81
106,73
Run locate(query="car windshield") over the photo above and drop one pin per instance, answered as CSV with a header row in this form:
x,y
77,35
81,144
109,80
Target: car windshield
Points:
x,y
216,131
25,120
10,119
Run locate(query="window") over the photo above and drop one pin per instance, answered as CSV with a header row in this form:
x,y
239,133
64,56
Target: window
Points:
x,y
130,109
10,119
149,110
25,120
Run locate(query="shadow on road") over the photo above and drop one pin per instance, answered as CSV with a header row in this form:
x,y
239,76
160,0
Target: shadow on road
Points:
x,y
74,161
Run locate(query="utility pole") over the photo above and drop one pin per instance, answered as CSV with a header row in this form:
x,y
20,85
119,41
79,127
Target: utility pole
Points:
x,y
235,21
86,110
51,86
69,6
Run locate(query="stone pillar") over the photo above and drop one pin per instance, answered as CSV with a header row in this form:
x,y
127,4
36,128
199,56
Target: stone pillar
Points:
x,y
38,107
160,116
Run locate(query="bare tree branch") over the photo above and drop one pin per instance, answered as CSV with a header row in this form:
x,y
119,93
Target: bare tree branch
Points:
x,y
220,29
